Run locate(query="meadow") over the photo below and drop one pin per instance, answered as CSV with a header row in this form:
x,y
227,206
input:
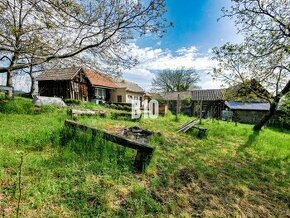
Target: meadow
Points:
x,y
232,172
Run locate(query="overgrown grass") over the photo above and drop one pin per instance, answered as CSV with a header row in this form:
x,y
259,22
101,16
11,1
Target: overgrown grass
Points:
x,y
233,172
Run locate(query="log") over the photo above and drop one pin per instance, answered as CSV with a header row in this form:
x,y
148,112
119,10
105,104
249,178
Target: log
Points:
x,y
144,151
83,112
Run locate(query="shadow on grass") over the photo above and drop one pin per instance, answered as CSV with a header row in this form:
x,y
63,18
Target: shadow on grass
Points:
x,y
251,139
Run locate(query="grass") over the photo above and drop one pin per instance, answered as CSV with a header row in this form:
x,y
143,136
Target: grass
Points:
x,y
232,172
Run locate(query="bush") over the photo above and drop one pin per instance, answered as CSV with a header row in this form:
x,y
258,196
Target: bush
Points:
x,y
17,106
72,101
113,106
120,107
107,105
127,108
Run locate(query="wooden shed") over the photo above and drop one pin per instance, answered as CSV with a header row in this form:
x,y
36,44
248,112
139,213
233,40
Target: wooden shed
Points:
x,y
65,83
75,83
208,102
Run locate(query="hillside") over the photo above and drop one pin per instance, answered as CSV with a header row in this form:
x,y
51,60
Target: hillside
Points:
x,y
233,172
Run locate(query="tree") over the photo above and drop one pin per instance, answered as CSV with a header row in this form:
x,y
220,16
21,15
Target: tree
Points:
x,y
50,30
175,80
264,54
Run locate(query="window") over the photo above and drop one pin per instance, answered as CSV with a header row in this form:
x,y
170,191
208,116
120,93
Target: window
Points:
x,y
119,98
100,93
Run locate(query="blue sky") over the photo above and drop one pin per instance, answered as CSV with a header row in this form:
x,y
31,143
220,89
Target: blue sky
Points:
x,y
196,31
195,23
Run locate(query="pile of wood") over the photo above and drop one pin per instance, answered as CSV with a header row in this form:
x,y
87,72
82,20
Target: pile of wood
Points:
x,y
192,124
187,126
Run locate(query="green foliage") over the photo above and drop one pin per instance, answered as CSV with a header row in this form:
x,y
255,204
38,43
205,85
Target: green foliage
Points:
x,y
284,116
120,107
17,106
72,101
113,106
68,174
186,101
127,108
285,103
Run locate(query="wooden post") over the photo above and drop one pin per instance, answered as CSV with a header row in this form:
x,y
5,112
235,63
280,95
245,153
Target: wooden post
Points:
x,y
177,107
200,112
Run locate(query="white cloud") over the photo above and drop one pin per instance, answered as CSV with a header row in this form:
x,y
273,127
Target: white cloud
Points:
x,y
152,60
22,82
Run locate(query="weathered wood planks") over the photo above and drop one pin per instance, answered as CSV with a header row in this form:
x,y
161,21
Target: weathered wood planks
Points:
x,y
192,124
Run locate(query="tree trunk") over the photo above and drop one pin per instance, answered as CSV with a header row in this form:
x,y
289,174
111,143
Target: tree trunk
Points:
x,y
9,83
273,107
32,87
267,117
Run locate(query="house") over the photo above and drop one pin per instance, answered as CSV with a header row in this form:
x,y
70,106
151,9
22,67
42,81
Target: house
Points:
x,y
211,102
102,86
87,85
75,83
127,91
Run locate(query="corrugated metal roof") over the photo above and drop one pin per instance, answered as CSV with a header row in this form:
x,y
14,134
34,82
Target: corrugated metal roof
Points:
x,y
239,105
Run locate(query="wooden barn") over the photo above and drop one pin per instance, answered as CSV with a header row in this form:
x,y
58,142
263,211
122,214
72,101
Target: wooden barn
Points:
x,y
75,83
205,102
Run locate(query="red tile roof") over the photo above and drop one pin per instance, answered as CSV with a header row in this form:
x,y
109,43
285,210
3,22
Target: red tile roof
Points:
x,y
130,86
99,79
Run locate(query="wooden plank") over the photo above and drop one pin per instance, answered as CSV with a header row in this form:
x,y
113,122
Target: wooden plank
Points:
x,y
82,112
192,124
188,127
185,125
111,137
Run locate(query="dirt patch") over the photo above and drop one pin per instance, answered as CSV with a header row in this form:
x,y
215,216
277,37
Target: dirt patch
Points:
x,y
187,175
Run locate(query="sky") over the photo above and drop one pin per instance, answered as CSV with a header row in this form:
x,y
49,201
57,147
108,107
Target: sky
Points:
x,y
188,44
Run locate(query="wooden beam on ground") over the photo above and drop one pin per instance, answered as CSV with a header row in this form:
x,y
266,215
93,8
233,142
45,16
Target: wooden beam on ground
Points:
x,y
85,112
192,124
185,125
144,151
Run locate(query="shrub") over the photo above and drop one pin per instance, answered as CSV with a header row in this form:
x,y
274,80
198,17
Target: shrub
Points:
x,y
127,108
120,107
17,106
113,106
72,101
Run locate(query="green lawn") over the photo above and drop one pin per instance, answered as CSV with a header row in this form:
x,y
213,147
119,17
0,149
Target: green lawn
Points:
x,y
233,172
